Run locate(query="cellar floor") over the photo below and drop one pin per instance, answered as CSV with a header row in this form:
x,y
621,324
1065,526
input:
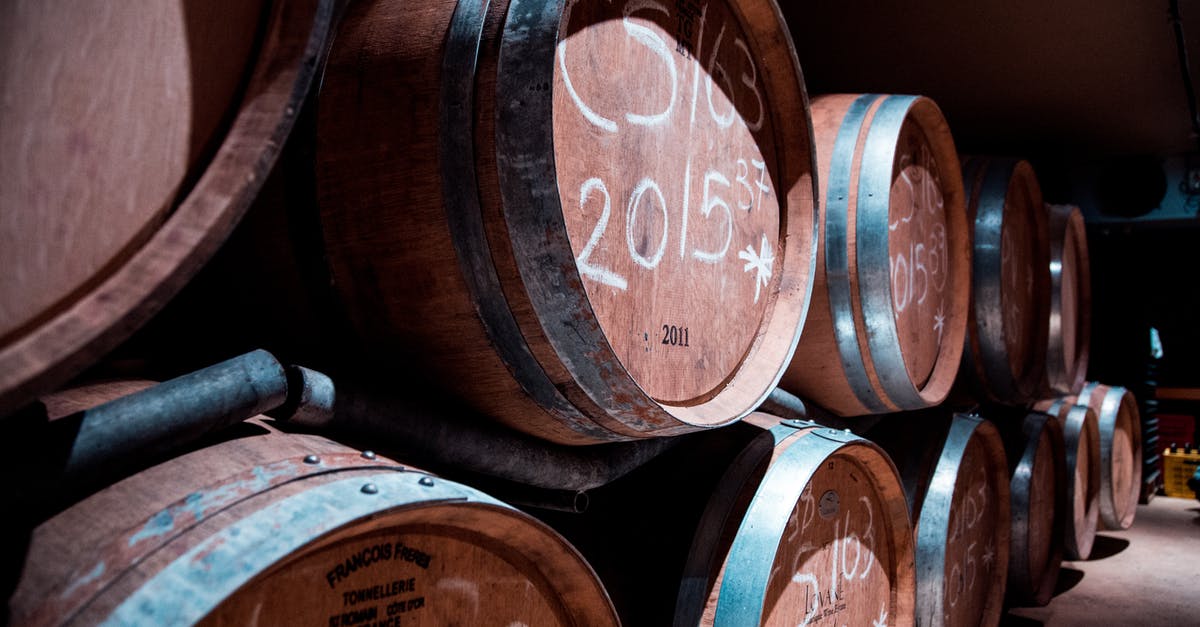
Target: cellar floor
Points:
x,y
1147,575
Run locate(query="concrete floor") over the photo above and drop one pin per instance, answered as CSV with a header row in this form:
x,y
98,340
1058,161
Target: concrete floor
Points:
x,y
1147,575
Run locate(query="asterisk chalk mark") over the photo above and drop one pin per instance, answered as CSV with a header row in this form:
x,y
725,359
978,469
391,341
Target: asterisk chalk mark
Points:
x,y
761,261
939,323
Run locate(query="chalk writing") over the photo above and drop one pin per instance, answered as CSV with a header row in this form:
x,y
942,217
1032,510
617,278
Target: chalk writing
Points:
x,y
918,259
761,262
971,509
882,620
631,218
744,184
710,201
597,273
760,185
850,553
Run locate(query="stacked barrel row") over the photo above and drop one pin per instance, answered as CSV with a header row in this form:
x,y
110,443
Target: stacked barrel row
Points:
x,y
579,254
534,237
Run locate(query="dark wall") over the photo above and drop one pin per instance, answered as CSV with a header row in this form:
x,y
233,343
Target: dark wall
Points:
x,y
1142,276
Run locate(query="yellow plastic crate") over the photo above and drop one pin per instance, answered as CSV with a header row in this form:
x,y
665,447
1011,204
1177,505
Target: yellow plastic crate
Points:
x,y
1178,466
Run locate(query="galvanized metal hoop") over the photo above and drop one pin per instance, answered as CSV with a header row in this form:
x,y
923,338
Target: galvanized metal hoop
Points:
x,y
185,592
460,187
837,258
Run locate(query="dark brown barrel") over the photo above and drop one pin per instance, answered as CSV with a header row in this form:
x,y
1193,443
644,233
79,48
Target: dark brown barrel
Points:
x,y
889,308
1070,301
1038,489
957,487
592,221
1005,354
1081,439
133,139
774,544
279,528
1120,428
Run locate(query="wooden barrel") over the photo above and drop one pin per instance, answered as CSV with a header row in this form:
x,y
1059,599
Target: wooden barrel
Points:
x,y
592,221
767,522
958,492
133,139
774,542
274,528
1070,301
1081,439
1120,428
1005,355
1037,463
893,276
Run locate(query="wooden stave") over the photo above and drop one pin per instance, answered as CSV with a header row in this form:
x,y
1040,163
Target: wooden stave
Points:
x,y
1111,403
1062,378
1026,587
1080,432
138,533
734,547
985,357
861,386
578,392
296,35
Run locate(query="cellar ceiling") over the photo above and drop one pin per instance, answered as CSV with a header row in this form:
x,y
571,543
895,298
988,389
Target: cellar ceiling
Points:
x,y
1095,77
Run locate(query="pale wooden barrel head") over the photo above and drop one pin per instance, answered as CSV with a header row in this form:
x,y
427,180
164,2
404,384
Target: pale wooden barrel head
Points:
x,y
1022,250
665,149
1085,490
1126,467
835,560
127,155
1122,470
1041,533
920,262
1120,433
1081,439
1033,442
823,535
1070,301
